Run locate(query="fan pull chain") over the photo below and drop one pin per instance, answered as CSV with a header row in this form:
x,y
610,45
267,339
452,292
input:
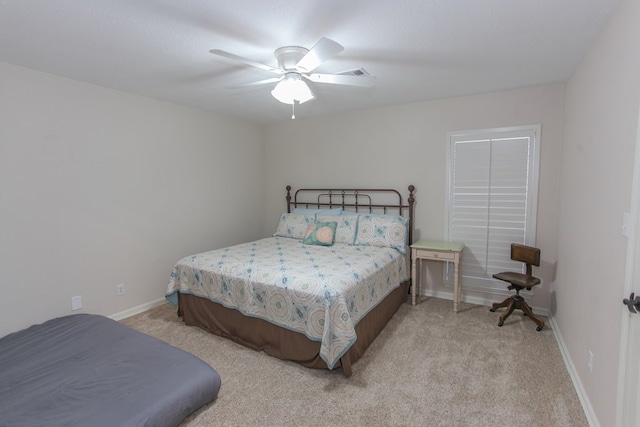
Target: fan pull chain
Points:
x,y
293,110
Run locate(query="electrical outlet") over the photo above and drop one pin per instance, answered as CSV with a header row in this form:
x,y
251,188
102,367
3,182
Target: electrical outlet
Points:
x,y
625,224
76,303
120,289
590,362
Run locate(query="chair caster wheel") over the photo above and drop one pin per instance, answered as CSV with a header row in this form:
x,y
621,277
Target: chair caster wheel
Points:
x,y
493,310
500,323
539,328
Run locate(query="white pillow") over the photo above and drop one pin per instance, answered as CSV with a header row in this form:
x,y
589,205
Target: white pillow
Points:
x,y
383,230
294,225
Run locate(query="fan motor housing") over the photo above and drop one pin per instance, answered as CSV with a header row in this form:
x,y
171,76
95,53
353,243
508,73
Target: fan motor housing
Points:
x,y
289,56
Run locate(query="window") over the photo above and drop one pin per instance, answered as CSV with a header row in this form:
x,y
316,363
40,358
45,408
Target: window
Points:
x,y
492,199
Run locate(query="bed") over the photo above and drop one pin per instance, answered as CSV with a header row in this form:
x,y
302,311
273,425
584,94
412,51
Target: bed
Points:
x,y
89,370
318,291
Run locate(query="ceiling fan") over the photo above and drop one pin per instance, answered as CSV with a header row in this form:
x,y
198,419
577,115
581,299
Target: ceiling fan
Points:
x,y
295,65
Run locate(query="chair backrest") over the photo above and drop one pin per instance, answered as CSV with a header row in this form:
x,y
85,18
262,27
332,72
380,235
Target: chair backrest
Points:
x,y
526,254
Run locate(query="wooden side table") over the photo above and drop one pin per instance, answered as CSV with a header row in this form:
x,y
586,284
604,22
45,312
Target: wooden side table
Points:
x,y
434,250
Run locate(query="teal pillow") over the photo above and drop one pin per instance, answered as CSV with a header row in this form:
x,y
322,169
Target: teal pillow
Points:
x,y
346,229
320,233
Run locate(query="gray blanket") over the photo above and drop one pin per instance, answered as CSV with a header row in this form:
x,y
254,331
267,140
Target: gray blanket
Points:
x,y
88,370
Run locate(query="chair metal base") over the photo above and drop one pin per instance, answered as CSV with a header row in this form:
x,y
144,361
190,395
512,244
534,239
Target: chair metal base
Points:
x,y
516,302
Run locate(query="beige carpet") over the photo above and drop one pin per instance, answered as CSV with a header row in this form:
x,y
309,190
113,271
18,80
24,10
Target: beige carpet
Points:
x,y
428,367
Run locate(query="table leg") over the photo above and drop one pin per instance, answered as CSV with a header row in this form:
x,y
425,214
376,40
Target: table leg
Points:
x,y
456,286
414,280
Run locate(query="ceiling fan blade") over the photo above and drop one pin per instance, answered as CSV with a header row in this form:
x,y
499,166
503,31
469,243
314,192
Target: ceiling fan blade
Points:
x,y
361,81
323,50
257,83
247,61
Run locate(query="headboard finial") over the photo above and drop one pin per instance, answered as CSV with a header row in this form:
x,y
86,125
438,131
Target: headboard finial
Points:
x,y
288,199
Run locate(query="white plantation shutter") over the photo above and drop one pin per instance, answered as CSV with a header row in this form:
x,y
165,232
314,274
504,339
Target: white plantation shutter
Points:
x,y
492,199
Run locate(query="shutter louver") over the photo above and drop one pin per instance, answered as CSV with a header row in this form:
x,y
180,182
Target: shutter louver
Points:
x,y
492,198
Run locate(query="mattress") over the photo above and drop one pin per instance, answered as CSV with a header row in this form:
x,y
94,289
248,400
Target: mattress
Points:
x,y
320,292
88,370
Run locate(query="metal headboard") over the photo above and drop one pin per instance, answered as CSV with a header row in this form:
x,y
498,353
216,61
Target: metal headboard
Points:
x,y
366,200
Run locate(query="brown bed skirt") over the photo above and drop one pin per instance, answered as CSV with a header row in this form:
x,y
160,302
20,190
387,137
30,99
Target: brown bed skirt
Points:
x,y
282,343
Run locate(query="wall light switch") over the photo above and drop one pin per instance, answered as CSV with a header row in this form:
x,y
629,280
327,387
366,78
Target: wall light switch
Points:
x,y
76,303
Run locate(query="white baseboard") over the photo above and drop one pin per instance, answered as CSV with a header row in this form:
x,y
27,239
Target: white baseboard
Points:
x,y
474,299
582,395
139,309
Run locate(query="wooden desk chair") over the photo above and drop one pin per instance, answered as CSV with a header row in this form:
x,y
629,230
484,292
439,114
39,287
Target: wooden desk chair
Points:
x,y
518,281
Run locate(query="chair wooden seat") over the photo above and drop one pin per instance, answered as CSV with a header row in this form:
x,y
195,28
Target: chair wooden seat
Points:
x,y
518,281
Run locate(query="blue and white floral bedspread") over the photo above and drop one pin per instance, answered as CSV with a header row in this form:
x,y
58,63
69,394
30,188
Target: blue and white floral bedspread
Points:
x,y
319,291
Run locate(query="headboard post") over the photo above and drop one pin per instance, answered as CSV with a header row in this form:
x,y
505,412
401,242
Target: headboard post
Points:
x,y
411,200
288,199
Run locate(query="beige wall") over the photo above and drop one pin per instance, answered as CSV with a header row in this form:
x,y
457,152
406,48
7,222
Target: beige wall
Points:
x,y
398,146
601,114
99,187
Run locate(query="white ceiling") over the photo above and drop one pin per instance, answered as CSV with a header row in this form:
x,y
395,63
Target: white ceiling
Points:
x,y
417,49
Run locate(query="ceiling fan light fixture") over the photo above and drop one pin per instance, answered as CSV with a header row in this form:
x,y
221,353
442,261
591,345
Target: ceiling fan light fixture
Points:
x,y
292,88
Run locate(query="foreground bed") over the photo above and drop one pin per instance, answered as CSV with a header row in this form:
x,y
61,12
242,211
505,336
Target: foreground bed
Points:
x,y
88,370
318,303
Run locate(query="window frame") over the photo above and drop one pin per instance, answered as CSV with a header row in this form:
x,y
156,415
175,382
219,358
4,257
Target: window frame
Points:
x,y
488,284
